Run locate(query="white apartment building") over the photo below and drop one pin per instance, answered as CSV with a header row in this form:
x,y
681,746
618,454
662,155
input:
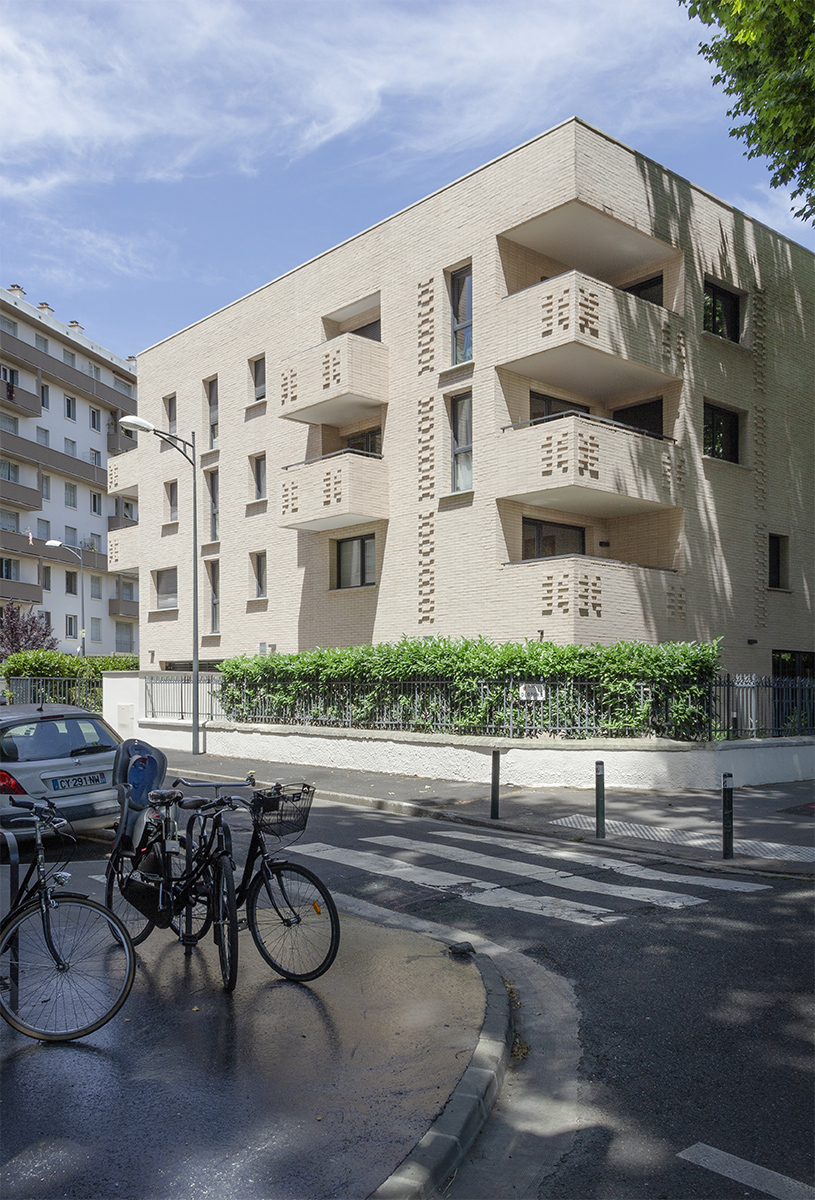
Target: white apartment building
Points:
x,y
567,397
61,399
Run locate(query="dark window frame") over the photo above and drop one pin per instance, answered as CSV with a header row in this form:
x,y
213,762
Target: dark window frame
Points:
x,y
627,416
721,433
461,294
778,561
370,439
721,314
551,406
363,540
542,529
654,284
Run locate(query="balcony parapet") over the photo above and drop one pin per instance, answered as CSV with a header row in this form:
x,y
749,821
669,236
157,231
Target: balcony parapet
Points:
x,y
123,608
338,383
124,550
20,496
120,443
18,543
123,475
17,398
337,491
75,381
577,333
14,589
55,460
585,464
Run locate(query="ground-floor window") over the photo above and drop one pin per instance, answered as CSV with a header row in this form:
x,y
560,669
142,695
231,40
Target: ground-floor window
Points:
x,y
794,664
356,562
545,539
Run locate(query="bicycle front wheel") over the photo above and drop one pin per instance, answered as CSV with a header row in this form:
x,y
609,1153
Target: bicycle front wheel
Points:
x,y
137,924
225,917
59,1000
293,920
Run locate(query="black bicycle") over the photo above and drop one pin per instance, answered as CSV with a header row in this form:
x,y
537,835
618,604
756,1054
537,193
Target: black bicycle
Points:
x,y
167,880
289,910
67,964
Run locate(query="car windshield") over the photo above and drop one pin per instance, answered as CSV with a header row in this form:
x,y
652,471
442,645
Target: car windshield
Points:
x,y
60,737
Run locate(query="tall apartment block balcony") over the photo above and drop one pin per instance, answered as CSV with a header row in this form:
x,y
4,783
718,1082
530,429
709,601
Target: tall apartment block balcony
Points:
x,y
334,492
18,399
339,382
577,333
123,476
52,368
585,464
20,496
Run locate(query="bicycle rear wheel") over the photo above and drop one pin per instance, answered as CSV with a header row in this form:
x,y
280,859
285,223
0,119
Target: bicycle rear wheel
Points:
x,y
293,920
137,924
201,909
57,1002
225,917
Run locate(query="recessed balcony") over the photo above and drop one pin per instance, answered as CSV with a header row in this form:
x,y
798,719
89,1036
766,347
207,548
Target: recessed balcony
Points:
x,y
576,333
588,465
123,608
334,492
336,383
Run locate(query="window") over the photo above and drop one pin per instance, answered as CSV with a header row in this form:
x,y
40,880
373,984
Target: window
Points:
x,y
70,408
46,578
259,571
94,371
259,476
96,629
47,618
647,418
128,590
11,568
95,417
45,396
167,588
95,542
95,458
544,539
369,442
70,626
794,664
721,312
70,536
9,521
372,331
648,289
129,510
171,500
69,358
461,295
45,487
69,447
41,342
124,637
96,503
9,471
9,375
170,414
43,437
212,483
8,326
43,529
541,406
356,562
214,596
70,583
778,561
259,374
721,433
9,424
96,587
122,386
212,398
70,495
461,416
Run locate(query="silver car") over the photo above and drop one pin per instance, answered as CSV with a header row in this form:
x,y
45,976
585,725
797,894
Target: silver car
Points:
x,y
62,753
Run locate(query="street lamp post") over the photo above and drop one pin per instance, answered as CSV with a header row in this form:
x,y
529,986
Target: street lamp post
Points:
x,y
78,554
187,450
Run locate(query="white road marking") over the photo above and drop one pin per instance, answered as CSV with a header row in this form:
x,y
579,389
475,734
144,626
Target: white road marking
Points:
x,y
738,1169
98,878
608,864
559,879
487,894
683,837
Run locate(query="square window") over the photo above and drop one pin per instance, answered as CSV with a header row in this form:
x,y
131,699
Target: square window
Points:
x,y
9,521
546,539
721,312
461,419
95,542
95,417
356,562
779,559
96,629
95,458
70,495
96,587
9,424
70,408
721,433
41,342
70,583
70,536
10,375
43,529
9,471
69,358
11,568
167,588
461,297
8,326
94,371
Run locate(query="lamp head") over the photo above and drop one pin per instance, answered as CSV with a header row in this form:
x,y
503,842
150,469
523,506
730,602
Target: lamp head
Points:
x,y
138,424
53,542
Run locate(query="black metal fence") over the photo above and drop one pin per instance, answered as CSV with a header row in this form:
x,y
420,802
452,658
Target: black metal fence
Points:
x,y
84,693
751,706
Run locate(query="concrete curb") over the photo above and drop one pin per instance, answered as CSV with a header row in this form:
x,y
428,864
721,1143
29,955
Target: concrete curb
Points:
x,y
423,1173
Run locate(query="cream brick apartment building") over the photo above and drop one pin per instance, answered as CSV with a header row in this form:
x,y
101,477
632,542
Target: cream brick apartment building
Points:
x,y
61,397
569,397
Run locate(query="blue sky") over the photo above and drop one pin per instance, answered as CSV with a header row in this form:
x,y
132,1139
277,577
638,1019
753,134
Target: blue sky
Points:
x,y
161,158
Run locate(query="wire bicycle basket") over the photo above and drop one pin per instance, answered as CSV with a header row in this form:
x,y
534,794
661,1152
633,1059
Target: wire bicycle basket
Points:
x,y
282,811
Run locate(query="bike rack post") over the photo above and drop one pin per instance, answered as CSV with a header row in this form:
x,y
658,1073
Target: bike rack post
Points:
x,y
727,815
14,887
496,780
599,800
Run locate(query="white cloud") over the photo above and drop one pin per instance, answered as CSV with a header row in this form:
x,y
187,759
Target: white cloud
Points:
x,y
74,257
775,207
162,89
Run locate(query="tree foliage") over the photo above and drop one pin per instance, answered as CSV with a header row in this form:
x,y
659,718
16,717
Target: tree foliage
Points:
x,y
20,630
765,55
49,663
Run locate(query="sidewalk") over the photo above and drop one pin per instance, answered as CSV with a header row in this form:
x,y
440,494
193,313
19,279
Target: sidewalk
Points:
x,y
774,825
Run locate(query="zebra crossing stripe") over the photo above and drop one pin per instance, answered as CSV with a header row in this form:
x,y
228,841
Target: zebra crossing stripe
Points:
x,y
608,864
476,891
559,879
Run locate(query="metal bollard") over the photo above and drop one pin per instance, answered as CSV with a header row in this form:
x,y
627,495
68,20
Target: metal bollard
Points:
x,y
599,800
496,779
727,815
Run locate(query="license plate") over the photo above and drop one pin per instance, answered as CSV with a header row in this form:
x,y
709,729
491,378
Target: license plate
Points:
x,y
67,783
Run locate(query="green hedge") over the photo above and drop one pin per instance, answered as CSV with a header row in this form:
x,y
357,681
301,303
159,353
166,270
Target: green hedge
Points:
x,y
53,664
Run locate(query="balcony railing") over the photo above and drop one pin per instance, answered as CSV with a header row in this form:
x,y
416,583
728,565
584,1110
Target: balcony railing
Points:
x,y
12,395
584,464
20,496
123,608
343,489
63,464
577,333
336,383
